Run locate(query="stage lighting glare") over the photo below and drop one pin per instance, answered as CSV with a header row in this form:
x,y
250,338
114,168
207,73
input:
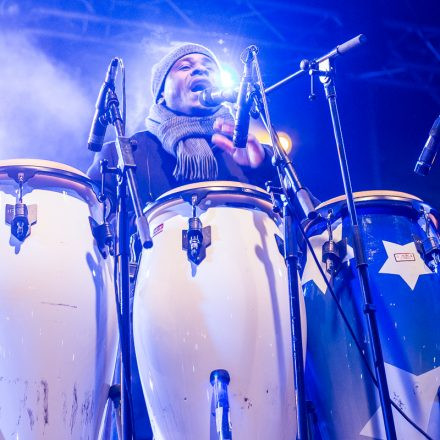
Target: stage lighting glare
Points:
x,y
263,136
285,141
228,76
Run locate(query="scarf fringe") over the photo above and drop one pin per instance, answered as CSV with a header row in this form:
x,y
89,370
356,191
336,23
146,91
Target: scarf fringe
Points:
x,y
186,138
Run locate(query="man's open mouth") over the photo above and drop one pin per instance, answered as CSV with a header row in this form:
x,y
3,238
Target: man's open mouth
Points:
x,y
199,85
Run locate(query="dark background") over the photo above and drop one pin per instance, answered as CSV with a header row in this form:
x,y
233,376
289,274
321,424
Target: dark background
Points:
x,y
54,56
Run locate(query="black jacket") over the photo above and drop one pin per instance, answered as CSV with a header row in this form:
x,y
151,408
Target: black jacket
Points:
x,y
154,173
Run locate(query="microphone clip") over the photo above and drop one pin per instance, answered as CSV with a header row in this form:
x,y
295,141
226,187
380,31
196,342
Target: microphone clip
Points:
x,y
248,55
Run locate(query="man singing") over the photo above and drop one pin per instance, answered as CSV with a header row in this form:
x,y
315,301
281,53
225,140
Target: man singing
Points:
x,y
185,141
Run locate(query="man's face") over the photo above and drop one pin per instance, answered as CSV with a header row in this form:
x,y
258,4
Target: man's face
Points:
x,y
187,78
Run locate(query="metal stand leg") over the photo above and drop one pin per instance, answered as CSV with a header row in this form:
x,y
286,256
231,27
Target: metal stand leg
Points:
x,y
220,380
115,395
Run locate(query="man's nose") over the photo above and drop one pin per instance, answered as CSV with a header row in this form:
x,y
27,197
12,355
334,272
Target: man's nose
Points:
x,y
200,69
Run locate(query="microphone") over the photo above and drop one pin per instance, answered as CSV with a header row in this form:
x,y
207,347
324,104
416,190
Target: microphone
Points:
x,y
99,126
214,96
427,156
242,116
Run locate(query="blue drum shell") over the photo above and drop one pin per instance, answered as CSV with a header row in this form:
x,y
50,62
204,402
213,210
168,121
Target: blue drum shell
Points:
x,y
338,383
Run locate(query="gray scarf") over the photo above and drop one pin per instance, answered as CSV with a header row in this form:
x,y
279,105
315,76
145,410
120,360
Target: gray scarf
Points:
x,y
187,139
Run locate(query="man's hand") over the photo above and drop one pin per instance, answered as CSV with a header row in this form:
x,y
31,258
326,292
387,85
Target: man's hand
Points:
x,y
251,156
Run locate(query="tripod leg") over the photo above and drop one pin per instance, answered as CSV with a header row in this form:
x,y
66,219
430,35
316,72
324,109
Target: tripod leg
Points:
x,y
115,395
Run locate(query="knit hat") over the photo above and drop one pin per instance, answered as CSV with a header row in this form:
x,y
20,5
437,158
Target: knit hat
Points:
x,y
161,68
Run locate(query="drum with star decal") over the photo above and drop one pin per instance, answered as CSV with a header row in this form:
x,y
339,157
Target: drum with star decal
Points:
x,y
401,242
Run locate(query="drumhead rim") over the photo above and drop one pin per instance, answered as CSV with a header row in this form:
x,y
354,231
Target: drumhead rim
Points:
x,y
216,187
364,196
212,183
375,198
40,164
50,168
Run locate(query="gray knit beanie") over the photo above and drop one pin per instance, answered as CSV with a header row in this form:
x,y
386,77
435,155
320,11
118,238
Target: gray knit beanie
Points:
x,y
160,69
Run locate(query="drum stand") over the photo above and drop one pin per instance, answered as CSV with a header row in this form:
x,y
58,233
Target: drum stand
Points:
x,y
126,179
323,68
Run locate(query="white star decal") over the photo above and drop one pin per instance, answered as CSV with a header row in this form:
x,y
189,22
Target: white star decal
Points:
x,y
416,397
311,272
404,261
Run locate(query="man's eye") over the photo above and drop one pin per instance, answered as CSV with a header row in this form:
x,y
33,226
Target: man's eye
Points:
x,y
184,67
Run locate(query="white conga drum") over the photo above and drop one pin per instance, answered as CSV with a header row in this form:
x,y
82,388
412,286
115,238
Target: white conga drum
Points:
x,y
229,311
58,333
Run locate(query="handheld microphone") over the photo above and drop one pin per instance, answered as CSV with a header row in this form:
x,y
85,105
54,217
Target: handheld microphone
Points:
x,y
99,126
214,96
427,156
242,116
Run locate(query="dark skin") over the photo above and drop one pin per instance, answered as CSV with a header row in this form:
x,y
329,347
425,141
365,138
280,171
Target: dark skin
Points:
x,y
186,79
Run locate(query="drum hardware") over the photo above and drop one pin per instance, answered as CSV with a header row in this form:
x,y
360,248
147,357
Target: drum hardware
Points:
x,y
280,243
135,253
220,380
333,252
103,234
276,194
196,238
20,216
429,248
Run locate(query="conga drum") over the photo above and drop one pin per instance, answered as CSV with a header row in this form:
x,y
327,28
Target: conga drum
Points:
x,y
397,229
228,312
58,333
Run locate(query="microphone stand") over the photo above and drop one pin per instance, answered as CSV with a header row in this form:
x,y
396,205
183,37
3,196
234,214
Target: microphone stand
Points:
x,y
323,67
359,251
126,180
291,213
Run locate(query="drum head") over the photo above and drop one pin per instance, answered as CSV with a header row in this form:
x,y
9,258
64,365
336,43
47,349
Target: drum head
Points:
x,y
378,201
41,165
54,176
363,196
211,194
